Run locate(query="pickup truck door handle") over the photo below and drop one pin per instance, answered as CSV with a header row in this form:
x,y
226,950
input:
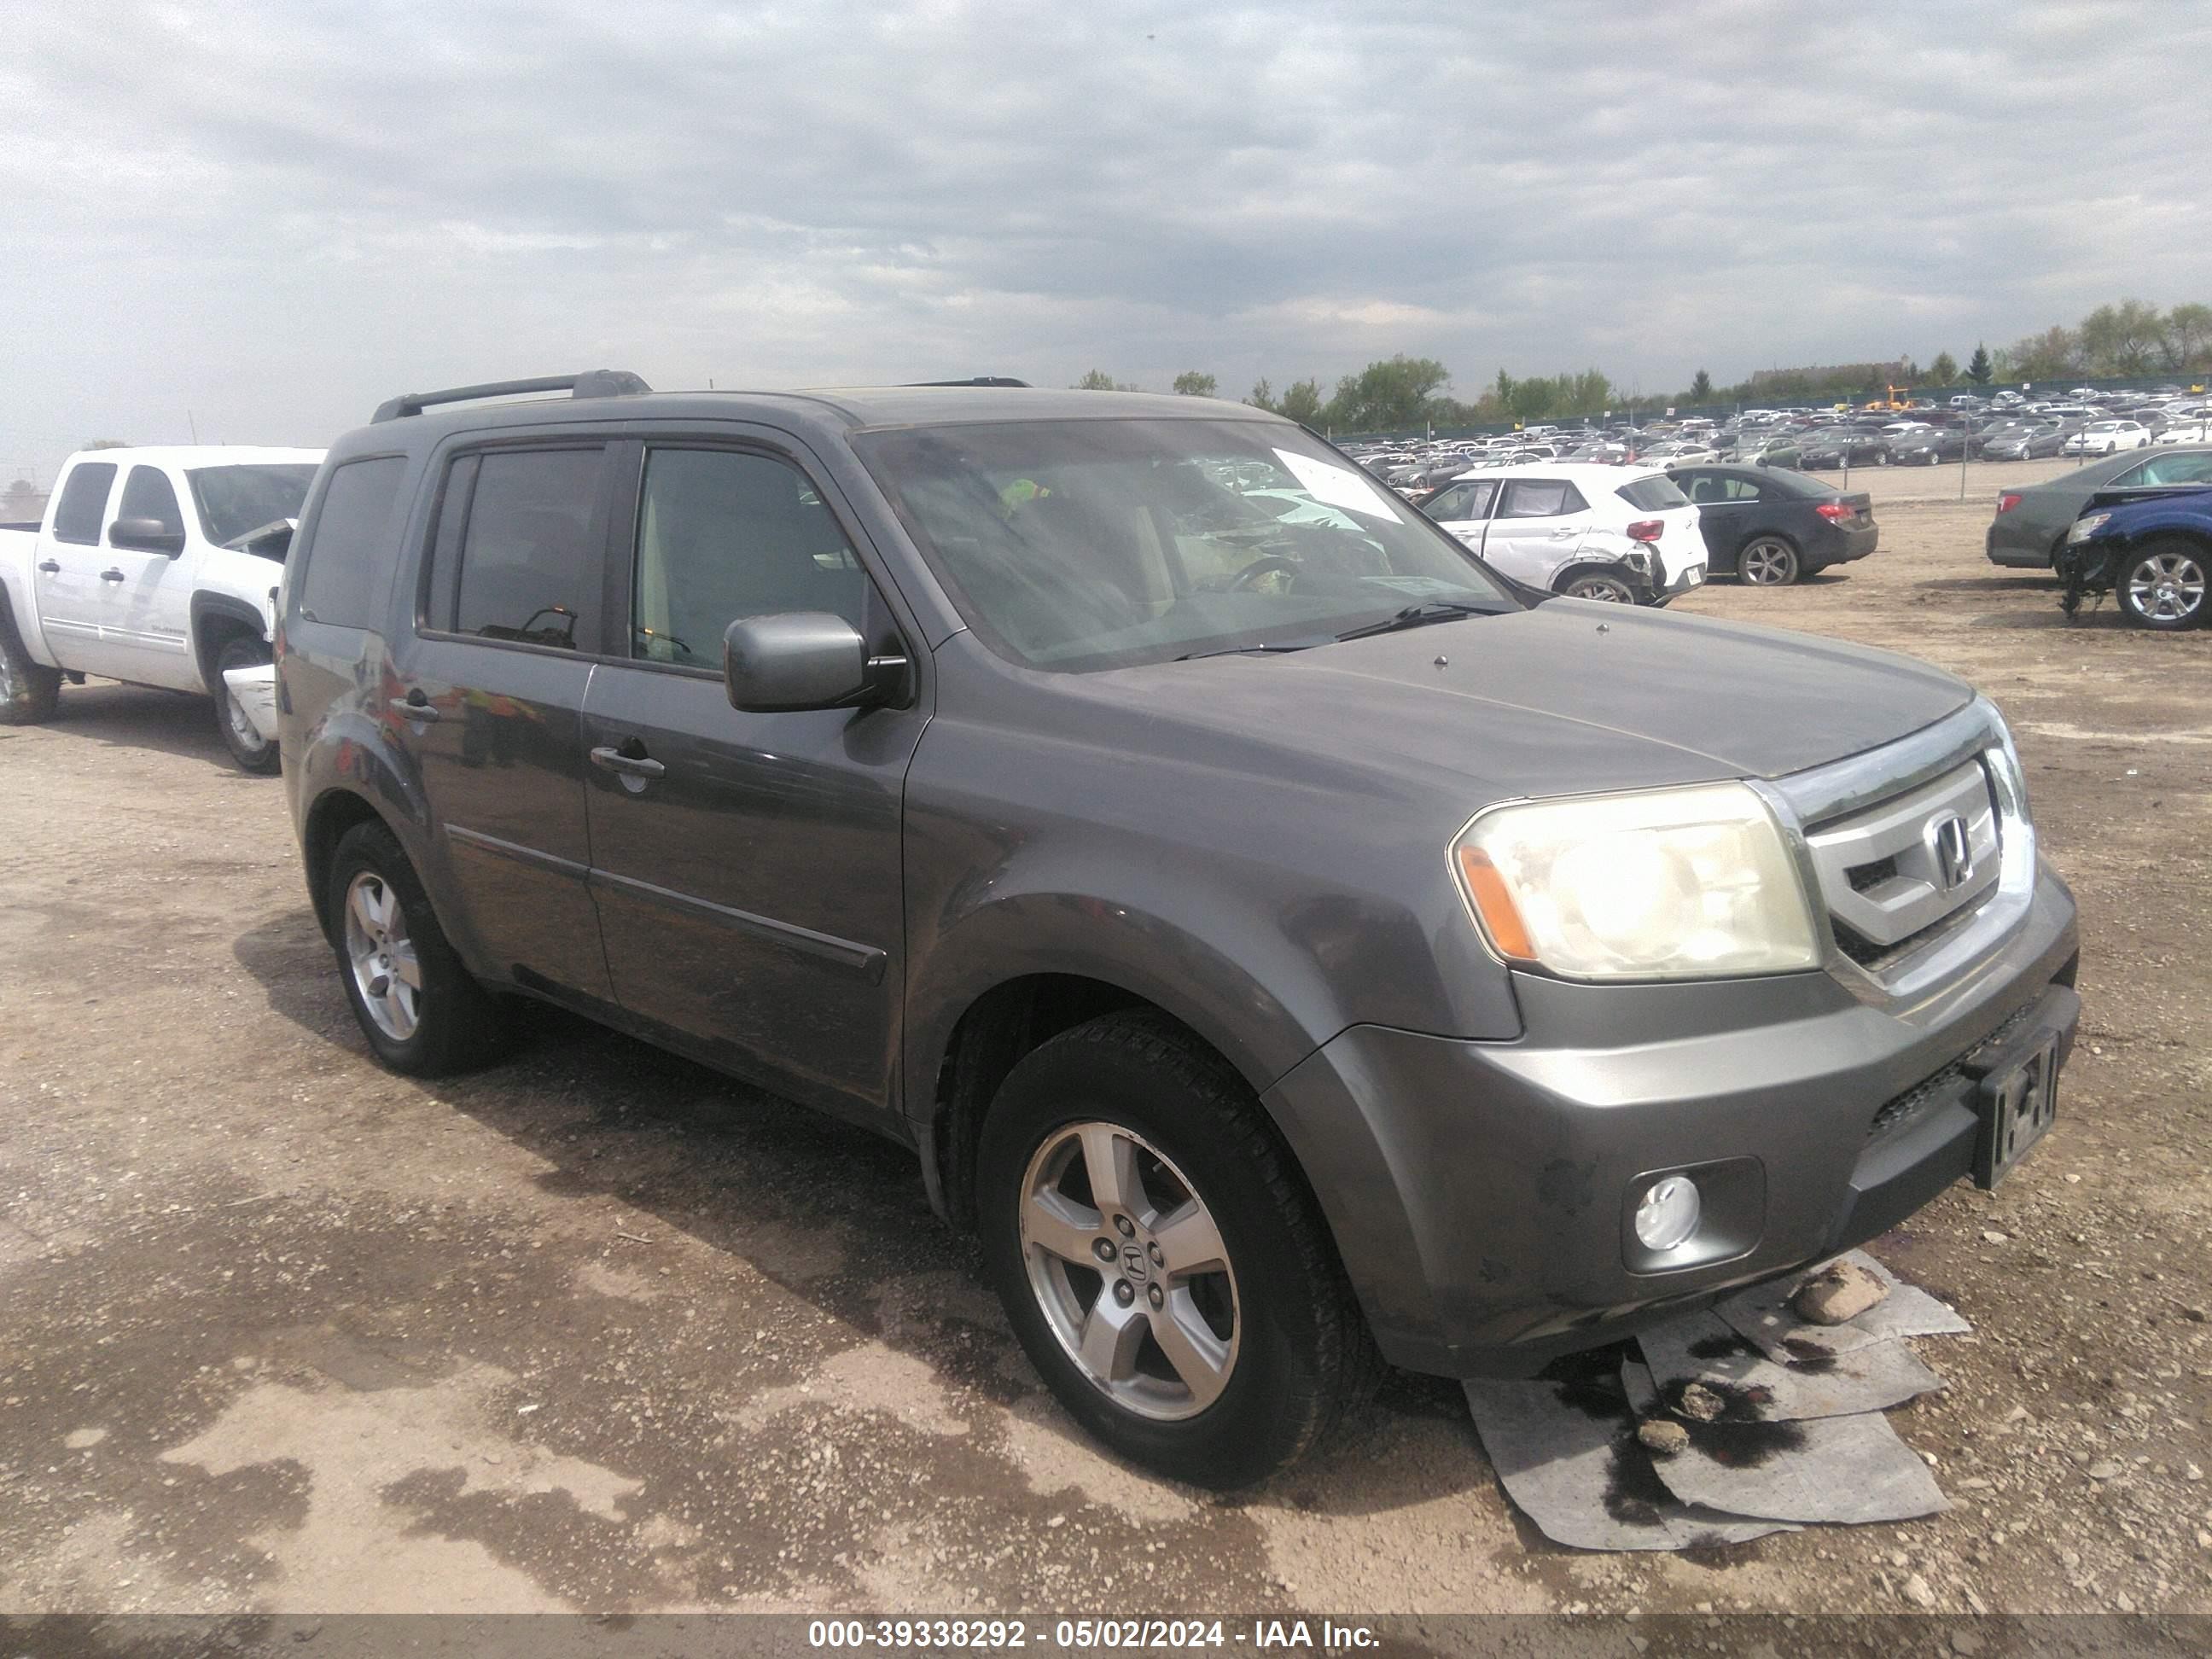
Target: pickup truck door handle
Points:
x,y
50,566
111,575
637,766
414,707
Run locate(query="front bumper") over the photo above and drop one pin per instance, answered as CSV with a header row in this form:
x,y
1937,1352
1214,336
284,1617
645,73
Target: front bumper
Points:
x,y
1480,1192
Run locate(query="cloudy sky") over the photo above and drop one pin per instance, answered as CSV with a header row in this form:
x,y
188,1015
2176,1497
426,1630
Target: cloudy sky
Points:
x,y
270,215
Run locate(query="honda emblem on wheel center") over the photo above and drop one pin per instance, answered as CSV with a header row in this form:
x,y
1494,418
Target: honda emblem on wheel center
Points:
x,y
1133,1260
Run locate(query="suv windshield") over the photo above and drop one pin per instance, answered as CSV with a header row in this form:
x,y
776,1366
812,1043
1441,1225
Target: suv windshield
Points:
x,y
233,500
1086,545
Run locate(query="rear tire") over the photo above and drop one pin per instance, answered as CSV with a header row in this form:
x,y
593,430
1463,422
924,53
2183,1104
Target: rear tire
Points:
x,y
1768,561
1216,1375
421,1011
1597,585
29,691
2161,585
249,750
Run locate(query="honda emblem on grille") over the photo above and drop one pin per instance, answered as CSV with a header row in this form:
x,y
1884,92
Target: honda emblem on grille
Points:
x,y
1954,852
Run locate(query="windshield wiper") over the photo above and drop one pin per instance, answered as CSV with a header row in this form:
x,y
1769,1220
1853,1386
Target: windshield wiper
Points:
x,y
1262,649
1417,615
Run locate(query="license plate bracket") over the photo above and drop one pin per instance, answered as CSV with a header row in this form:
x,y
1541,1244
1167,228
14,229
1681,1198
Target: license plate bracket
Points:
x,y
2018,1106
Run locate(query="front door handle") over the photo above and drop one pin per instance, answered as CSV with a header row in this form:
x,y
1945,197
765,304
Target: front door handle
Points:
x,y
50,566
111,575
416,707
636,766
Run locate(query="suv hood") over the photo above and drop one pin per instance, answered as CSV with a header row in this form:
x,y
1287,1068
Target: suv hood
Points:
x,y
1567,697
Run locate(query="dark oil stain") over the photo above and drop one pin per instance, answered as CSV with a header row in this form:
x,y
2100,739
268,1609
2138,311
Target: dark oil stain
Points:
x,y
1739,1445
1722,1347
1806,1355
1589,1382
1634,1494
1740,1402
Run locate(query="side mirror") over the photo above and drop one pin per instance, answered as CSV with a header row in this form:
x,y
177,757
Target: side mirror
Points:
x,y
146,536
805,659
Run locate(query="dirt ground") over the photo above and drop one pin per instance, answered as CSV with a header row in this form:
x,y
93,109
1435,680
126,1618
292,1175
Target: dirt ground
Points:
x,y
282,1331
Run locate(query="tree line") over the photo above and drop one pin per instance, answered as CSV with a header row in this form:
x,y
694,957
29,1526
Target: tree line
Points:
x,y
2130,339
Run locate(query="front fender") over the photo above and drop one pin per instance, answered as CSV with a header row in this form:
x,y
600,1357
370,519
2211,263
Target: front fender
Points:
x,y
207,607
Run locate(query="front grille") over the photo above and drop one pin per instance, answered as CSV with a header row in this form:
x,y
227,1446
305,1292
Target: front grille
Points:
x,y
1864,877
1892,874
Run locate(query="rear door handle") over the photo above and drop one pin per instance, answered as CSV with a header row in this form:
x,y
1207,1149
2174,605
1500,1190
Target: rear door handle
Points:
x,y
636,766
416,707
50,566
111,575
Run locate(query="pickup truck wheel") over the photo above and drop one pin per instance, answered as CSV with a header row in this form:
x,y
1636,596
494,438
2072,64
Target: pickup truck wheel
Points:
x,y
1597,585
29,691
1161,1265
1768,561
420,1008
2163,586
248,747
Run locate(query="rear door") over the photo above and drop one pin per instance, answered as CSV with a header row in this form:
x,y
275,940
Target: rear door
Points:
x,y
747,865
71,559
487,697
1724,504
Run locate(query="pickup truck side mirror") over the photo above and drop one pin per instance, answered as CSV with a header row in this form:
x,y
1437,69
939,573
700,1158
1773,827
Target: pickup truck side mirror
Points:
x,y
146,536
805,659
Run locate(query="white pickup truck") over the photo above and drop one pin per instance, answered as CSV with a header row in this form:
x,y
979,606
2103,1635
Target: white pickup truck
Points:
x,y
158,567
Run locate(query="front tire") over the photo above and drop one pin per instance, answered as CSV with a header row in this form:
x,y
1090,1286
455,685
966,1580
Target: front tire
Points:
x,y
421,1011
1769,561
1161,1262
29,691
251,752
2161,586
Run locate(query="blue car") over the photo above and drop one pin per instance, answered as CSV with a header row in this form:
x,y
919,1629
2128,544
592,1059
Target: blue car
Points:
x,y
2152,550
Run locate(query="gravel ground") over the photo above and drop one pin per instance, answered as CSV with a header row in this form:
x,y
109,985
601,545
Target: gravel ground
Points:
x,y
599,1329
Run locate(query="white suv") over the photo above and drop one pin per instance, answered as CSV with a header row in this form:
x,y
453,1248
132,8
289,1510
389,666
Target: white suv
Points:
x,y
1624,534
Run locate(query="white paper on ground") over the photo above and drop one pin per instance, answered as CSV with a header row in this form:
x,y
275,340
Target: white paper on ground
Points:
x,y
1567,1456
1764,1315
1700,1348
1849,1470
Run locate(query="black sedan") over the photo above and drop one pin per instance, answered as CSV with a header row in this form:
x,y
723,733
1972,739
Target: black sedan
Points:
x,y
1838,446
1768,527
1926,447
2031,523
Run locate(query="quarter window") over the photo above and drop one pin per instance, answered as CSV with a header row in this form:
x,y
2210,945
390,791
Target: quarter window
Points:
x,y
526,555
1540,498
148,494
76,518
723,534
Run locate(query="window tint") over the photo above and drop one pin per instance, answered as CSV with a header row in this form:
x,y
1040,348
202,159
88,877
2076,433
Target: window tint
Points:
x,y
84,498
525,559
1652,495
722,535
148,494
1540,498
352,543
1470,500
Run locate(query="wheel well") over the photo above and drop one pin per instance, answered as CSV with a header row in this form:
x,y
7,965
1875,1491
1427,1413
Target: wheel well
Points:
x,y
1612,567
215,624
328,820
1001,1026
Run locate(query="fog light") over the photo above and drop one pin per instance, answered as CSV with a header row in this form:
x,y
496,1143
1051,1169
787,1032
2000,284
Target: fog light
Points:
x,y
1667,1215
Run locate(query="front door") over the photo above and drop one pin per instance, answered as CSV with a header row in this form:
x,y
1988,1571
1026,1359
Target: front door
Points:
x,y
1725,505
1462,506
747,867
1538,525
145,598
488,696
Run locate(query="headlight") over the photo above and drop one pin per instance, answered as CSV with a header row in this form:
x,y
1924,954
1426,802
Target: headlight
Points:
x,y
2085,528
1668,884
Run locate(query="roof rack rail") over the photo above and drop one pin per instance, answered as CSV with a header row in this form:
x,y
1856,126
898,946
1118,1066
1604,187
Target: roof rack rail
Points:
x,y
591,383
980,380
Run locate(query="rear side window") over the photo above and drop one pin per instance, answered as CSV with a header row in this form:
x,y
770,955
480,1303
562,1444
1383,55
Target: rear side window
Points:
x,y
1651,494
76,519
1540,498
148,494
353,543
527,572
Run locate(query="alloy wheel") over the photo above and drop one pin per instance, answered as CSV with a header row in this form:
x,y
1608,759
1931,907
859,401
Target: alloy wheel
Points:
x,y
1767,563
1128,1266
2168,587
386,969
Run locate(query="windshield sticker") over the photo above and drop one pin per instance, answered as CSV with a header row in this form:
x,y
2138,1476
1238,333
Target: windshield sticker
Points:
x,y
1337,486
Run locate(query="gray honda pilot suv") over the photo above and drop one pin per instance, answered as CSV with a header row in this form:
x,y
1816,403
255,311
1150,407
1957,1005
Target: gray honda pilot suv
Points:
x,y
1288,943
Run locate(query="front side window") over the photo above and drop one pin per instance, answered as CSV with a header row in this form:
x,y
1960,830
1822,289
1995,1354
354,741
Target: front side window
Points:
x,y
2169,469
527,574
1083,544
84,497
234,499
353,546
723,534
1469,499
148,494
